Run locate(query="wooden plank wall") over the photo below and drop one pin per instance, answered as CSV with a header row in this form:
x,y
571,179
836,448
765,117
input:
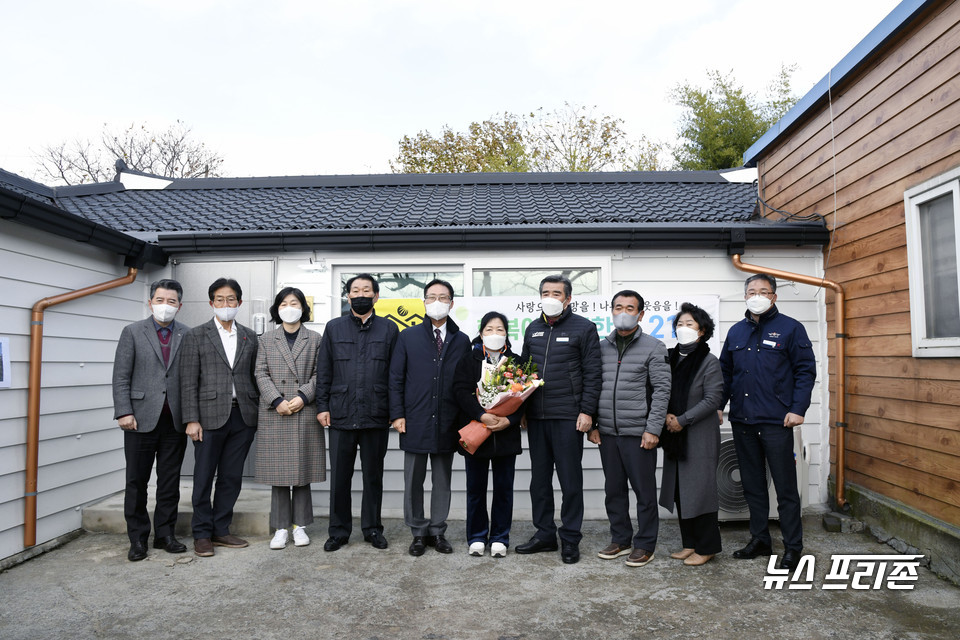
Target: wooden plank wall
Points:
x,y
895,125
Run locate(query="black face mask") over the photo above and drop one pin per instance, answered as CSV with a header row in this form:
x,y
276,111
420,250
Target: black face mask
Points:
x,y
361,305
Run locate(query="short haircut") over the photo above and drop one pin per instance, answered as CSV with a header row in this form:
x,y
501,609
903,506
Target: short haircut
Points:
x,y
701,317
761,276
275,309
567,285
627,293
438,281
363,276
485,320
166,283
219,283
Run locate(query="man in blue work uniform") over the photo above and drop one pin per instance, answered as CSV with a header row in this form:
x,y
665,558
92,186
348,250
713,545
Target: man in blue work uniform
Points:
x,y
768,374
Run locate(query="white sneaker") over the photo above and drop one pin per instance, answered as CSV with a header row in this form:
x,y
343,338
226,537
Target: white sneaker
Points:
x,y
498,550
300,537
280,539
476,548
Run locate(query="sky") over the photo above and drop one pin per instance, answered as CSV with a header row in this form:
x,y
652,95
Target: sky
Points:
x,y
292,87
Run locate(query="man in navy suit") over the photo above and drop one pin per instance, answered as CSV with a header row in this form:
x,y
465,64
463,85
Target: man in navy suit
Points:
x,y
146,401
219,397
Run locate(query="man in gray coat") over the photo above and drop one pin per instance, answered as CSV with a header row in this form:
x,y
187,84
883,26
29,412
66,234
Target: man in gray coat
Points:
x,y
220,399
146,405
632,411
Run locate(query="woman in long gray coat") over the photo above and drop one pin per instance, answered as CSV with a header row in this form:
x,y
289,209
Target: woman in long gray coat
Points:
x,y
290,442
691,440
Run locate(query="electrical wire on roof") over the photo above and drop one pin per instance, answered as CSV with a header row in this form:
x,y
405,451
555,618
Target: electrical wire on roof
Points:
x,y
793,216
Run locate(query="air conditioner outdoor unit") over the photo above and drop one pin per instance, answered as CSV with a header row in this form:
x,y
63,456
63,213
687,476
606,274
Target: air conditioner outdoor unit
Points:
x,y
733,506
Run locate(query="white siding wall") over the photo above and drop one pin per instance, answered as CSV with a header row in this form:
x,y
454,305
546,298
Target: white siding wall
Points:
x,y
81,450
649,272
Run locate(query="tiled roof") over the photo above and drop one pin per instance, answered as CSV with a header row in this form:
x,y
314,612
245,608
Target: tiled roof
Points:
x,y
414,201
25,187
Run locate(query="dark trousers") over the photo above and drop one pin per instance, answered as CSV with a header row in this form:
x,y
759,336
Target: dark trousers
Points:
x,y
495,526
344,443
700,533
556,443
166,446
291,505
771,444
625,460
222,454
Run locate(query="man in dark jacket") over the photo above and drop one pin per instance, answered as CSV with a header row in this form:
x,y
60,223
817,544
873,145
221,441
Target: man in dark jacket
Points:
x,y
628,429
566,350
424,411
352,400
768,374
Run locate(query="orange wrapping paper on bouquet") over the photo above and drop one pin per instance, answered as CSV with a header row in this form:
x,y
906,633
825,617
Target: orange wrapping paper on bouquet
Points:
x,y
476,433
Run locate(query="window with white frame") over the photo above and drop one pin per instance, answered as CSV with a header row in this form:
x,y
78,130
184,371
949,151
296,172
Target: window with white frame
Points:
x,y
933,220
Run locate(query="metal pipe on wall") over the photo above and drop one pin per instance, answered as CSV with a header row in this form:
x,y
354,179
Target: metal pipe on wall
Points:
x,y
33,395
840,375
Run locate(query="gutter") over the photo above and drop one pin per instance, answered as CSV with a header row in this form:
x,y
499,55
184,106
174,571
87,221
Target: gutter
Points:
x,y
521,237
45,217
839,306
33,395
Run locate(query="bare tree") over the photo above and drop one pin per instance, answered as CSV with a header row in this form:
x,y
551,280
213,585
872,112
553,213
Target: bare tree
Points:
x,y
172,153
575,139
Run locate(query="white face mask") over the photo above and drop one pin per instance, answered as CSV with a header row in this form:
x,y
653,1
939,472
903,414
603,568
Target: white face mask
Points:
x,y
758,304
625,321
494,341
551,306
163,313
226,314
438,310
686,335
290,315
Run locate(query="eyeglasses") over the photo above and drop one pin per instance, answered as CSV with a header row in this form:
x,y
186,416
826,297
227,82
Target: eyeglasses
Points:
x,y
432,298
766,293
231,301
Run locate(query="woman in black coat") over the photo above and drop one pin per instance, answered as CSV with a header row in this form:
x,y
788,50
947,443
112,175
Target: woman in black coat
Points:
x,y
499,450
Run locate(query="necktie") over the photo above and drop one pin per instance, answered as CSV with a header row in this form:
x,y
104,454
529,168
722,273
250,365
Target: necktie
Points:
x,y
439,341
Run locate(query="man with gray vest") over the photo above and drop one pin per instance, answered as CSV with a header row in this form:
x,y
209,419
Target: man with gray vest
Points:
x,y
631,415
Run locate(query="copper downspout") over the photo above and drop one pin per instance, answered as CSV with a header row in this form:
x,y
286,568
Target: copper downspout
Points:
x,y
33,395
840,375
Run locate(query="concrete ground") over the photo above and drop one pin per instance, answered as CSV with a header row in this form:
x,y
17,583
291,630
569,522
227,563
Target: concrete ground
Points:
x,y
88,589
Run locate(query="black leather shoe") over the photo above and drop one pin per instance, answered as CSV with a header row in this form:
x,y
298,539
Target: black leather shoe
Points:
x,y
443,545
418,546
570,554
753,549
536,545
790,559
334,542
170,544
376,539
138,551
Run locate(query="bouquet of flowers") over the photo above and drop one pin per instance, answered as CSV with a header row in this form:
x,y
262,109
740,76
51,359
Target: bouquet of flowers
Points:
x,y
501,390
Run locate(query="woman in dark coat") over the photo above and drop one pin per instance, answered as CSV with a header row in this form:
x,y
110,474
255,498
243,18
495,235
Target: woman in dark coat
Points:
x,y
691,440
499,450
290,442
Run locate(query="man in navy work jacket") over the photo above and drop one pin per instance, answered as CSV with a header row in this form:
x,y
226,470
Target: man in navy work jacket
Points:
x,y
352,377
768,374
566,350
425,412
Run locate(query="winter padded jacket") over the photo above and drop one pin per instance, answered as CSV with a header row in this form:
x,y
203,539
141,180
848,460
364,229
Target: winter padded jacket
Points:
x,y
624,408
567,355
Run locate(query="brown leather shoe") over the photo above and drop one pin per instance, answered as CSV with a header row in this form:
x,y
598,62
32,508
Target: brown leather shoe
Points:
x,y
639,557
683,554
695,559
613,550
231,541
203,547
